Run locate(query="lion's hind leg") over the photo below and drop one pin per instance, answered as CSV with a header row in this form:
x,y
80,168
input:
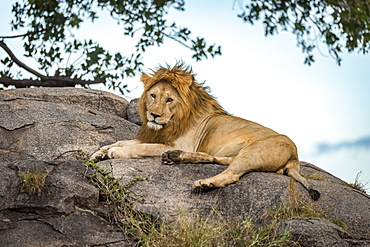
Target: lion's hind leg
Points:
x,y
292,170
268,155
237,168
178,156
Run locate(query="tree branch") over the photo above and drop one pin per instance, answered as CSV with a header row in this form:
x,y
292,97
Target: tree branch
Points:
x,y
19,63
177,40
45,81
50,81
23,35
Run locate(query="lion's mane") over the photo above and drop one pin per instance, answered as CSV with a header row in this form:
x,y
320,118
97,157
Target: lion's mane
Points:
x,y
194,102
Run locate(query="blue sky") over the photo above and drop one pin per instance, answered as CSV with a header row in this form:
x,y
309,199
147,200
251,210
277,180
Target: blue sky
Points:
x,y
324,108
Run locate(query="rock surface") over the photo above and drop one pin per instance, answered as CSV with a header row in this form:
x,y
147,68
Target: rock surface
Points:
x,y
47,126
61,216
320,232
168,188
56,129
132,113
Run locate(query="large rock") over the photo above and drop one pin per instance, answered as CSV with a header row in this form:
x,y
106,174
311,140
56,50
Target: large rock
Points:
x,y
132,112
168,188
62,215
320,232
58,125
90,99
56,129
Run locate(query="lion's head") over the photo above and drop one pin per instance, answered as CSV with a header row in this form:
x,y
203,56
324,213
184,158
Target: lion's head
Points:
x,y
162,101
172,100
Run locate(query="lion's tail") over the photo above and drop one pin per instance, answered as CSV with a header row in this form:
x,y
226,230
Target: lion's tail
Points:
x,y
292,170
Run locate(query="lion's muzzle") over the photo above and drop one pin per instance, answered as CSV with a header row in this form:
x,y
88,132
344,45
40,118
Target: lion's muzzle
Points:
x,y
155,126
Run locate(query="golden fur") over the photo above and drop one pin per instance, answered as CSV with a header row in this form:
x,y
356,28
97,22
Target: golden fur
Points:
x,y
183,123
191,95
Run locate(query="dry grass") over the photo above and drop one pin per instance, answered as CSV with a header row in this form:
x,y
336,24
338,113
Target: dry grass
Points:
x,y
359,184
209,232
33,180
297,208
303,210
314,176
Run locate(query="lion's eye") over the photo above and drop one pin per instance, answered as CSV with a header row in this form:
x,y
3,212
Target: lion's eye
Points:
x,y
153,95
169,100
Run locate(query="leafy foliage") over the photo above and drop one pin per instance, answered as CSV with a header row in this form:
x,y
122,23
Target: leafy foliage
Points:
x,y
51,26
125,216
340,24
50,32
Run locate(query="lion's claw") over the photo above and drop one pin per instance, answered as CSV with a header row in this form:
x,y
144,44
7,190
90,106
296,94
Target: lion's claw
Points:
x,y
171,157
99,156
201,187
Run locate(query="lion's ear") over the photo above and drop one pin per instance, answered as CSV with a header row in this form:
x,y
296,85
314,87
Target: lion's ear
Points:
x,y
187,80
182,83
147,80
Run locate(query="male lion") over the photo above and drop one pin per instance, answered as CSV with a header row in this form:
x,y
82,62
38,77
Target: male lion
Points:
x,y
183,123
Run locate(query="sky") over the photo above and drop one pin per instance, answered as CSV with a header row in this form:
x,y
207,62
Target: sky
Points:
x,y
324,108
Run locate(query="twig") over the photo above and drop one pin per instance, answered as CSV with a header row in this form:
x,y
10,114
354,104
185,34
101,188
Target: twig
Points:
x,y
23,35
178,41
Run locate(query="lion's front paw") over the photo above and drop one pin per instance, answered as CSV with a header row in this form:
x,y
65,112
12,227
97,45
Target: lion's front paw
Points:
x,y
171,157
99,155
201,186
114,153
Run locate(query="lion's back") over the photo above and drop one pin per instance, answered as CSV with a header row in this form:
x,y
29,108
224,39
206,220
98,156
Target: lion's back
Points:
x,y
226,135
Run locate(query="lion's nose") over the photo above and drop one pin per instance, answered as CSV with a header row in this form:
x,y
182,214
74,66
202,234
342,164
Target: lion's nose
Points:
x,y
155,115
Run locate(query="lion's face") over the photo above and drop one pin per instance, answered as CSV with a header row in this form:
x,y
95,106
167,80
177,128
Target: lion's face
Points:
x,y
172,103
161,103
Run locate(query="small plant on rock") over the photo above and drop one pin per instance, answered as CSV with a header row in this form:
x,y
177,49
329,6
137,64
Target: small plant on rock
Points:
x,y
33,180
303,210
300,209
359,184
117,196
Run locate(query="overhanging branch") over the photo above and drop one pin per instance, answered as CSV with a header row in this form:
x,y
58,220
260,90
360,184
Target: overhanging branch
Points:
x,y
50,81
23,35
19,63
45,81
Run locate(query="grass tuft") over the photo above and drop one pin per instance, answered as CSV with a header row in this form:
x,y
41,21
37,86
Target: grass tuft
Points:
x,y
339,223
33,180
303,210
359,184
